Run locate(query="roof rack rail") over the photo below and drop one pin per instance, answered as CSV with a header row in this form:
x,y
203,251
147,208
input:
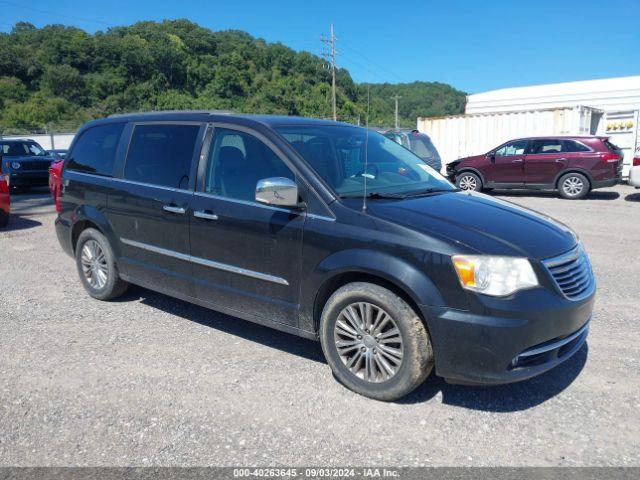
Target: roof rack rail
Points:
x,y
164,112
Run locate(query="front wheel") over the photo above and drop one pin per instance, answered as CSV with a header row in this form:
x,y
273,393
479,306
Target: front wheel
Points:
x,y
573,186
374,342
469,181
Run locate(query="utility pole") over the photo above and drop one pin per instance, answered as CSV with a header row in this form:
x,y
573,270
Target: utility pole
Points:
x,y
330,55
396,98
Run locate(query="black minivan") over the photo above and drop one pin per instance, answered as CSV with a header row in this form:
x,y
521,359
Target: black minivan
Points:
x,y
327,231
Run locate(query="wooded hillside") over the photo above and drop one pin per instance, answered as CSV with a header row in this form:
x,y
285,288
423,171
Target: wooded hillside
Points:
x,y
57,77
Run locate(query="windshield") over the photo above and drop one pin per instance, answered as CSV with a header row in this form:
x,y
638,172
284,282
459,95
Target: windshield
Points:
x,y
337,154
423,147
21,149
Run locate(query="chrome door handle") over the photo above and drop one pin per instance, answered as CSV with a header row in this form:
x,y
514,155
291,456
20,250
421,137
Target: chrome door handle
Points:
x,y
517,160
560,160
205,215
173,209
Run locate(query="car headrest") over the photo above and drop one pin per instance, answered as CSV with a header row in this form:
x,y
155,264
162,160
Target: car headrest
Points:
x,y
232,158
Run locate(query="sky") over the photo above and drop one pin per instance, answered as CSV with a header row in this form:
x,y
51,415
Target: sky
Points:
x,y
473,45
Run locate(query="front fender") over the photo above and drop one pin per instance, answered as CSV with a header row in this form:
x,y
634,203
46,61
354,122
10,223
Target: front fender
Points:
x,y
393,269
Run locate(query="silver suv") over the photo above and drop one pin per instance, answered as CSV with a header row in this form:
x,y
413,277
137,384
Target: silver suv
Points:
x,y
419,143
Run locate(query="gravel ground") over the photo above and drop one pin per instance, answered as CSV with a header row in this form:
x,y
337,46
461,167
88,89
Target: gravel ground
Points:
x,y
149,380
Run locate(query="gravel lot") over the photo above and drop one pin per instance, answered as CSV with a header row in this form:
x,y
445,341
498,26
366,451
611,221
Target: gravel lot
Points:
x,y
149,380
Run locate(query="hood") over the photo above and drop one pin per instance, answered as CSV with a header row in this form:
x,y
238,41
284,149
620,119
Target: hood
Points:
x,y
472,158
27,158
482,223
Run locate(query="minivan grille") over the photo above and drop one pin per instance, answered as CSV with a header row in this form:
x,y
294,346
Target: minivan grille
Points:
x,y
572,273
36,165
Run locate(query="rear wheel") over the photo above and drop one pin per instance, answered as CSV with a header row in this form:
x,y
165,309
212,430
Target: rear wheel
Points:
x,y
374,342
96,266
469,181
573,186
4,218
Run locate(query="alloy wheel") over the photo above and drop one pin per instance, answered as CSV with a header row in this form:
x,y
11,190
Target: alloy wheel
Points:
x,y
94,264
572,186
467,182
369,342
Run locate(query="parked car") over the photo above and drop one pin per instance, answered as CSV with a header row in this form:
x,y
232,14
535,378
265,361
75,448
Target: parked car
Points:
x,y
305,226
26,163
419,143
571,165
5,200
54,181
634,174
58,153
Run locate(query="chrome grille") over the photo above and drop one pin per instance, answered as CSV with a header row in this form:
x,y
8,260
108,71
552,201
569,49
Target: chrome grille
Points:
x,y
572,273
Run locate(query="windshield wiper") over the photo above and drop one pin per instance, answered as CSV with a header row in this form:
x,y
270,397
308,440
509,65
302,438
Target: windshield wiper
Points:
x,y
375,195
429,191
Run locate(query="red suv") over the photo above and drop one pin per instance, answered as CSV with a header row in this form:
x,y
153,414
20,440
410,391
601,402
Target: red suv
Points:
x,y
5,200
572,165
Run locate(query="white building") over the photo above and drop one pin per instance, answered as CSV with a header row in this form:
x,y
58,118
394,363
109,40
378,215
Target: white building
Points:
x,y
597,107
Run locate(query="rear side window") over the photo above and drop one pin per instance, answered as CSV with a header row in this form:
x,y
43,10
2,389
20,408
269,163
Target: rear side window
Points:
x,y
611,146
572,146
95,150
161,154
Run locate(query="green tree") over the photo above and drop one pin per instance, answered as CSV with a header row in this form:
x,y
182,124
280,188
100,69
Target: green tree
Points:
x,y
59,75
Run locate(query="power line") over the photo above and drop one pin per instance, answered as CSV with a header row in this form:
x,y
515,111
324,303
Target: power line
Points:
x,y
55,14
363,67
372,62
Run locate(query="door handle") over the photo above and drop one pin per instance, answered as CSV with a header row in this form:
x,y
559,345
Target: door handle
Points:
x,y
517,160
560,160
205,215
173,209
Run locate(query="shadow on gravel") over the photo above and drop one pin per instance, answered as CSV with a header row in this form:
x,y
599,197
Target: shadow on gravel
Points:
x,y
595,195
634,197
503,398
17,222
254,332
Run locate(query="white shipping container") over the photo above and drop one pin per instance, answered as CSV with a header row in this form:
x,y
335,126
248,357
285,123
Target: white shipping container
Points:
x,y
48,141
473,134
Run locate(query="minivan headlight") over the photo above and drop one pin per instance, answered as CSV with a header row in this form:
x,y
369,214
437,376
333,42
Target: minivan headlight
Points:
x,y
15,165
494,275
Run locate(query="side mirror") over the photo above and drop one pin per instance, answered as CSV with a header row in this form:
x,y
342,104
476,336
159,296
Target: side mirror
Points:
x,y
277,191
491,156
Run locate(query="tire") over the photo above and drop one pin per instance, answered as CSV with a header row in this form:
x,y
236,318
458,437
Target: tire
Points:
x,y
416,354
469,181
94,256
573,186
4,219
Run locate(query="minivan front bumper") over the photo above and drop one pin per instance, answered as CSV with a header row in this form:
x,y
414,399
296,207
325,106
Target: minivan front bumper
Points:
x,y
534,332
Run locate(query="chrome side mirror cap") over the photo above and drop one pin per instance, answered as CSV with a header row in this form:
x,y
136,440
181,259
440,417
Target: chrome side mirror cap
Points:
x,y
277,191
